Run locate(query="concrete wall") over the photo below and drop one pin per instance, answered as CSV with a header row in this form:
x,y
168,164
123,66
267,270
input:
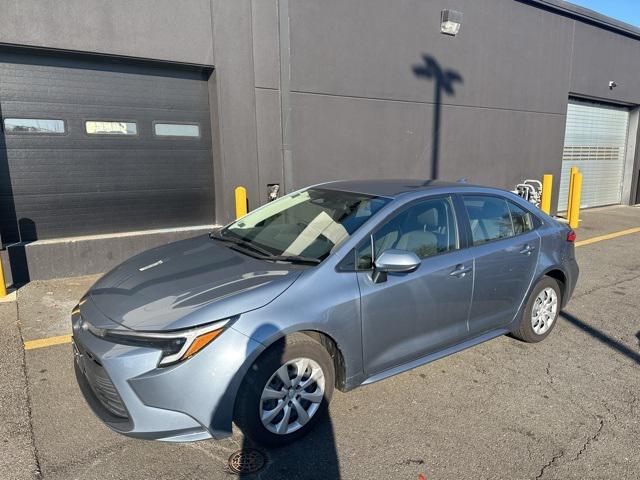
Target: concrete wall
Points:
x,y
68,257
178,31
364,88
364,103
600,56
376,90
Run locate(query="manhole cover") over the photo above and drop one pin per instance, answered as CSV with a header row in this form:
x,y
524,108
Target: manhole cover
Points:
x,y
248,460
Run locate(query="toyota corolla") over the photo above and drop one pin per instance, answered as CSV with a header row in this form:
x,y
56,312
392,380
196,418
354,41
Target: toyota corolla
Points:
x,y
333,286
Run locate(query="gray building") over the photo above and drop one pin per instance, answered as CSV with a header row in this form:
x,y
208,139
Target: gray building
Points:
x,y
127,124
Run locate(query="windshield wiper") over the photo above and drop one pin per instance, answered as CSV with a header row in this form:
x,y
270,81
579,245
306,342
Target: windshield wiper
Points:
x,y
294,259
242,243
263,253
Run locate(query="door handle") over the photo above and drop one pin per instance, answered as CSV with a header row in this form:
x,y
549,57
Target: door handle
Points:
x,y
527,250
461,271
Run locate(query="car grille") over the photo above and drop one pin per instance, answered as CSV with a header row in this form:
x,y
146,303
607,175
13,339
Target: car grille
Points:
x,y
101,384
108,395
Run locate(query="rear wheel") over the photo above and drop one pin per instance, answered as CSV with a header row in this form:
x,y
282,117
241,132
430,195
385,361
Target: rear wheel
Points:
x,y
286,391
541,312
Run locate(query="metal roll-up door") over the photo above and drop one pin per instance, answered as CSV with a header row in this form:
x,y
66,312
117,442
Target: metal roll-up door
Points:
x,y
128,146
595,142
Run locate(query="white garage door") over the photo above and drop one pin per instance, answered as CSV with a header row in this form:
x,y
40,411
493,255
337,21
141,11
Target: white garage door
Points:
x,y
595,142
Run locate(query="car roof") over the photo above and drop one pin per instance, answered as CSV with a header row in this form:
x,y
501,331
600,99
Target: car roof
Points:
x,y
391,187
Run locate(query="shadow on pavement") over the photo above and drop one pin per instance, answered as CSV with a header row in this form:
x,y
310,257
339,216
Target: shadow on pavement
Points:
x,y
313,456
602,337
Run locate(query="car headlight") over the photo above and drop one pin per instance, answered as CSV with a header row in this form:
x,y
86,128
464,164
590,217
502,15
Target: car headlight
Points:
x,y
175,346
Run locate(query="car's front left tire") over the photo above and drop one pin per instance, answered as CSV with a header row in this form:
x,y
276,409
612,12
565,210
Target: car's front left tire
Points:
x,y
286,391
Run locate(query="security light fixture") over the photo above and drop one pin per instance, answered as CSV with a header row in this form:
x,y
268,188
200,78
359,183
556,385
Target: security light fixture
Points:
x,y
450,21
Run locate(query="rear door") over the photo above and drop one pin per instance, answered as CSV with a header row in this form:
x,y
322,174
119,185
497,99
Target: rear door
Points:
x,y
505,251
412,314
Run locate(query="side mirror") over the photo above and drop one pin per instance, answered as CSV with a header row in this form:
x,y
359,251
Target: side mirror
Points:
x,y
394,261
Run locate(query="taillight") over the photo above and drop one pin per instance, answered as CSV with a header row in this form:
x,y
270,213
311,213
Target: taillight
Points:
x,y
571,236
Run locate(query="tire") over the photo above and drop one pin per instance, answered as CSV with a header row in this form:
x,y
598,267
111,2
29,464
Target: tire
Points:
x,y
295,351
536,328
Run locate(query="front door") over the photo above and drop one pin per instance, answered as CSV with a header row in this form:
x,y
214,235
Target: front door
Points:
x,y
505,250
412,314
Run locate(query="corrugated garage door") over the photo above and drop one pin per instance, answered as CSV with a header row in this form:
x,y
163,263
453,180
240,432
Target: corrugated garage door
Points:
x,y
595,142
91,145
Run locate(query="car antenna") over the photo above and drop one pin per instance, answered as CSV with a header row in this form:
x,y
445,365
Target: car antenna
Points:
x,y
462,180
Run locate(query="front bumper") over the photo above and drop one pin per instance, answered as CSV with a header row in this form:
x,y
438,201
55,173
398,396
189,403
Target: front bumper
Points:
x,y
190,401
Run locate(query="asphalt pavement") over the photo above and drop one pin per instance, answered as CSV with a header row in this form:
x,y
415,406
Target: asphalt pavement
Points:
x,y
567,408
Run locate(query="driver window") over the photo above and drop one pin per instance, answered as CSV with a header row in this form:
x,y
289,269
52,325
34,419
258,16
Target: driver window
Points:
x,y
427,228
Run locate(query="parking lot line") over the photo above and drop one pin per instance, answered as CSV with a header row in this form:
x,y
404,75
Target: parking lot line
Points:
x,y
608,236
62,339
47,342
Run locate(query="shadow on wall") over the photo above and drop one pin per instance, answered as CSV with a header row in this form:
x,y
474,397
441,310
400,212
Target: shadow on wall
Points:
x,y
314,456
443,82
13,231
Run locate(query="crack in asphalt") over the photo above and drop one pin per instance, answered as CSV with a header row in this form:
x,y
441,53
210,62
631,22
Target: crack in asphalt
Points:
x,y
551,462
591,439
582,450
605,286
32,437
548,370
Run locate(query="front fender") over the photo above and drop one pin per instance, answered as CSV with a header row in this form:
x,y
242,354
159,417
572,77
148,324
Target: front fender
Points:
x,y
204,386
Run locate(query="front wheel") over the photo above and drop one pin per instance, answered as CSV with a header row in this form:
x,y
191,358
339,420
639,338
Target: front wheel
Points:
x,y
541,312
286,391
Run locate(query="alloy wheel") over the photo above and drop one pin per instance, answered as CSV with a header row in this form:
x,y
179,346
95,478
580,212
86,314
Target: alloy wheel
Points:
x,y
544,311
292,396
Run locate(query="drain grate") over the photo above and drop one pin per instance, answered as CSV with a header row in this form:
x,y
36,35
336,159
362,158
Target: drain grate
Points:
x,y
248,460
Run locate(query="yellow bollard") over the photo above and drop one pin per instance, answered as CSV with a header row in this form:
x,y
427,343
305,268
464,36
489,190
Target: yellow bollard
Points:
x,y
241,202
3,286
574,219
545,201
572,172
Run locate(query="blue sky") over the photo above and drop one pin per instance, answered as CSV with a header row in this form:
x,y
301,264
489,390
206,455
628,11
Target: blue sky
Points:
x,y
626,10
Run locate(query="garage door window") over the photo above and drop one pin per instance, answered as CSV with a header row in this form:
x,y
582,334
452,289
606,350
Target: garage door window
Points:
x,y
183,130
99,127
31,126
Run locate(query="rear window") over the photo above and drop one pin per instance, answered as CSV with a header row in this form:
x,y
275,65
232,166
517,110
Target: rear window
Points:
x,y
31,126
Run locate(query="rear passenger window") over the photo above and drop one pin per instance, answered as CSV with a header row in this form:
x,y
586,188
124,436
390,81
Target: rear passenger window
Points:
x,y
522,219
427,228
489,217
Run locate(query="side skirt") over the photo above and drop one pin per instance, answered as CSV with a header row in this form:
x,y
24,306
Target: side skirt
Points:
x,y
435,356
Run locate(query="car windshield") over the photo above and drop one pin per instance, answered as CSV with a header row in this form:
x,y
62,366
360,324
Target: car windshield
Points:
x,y
307,224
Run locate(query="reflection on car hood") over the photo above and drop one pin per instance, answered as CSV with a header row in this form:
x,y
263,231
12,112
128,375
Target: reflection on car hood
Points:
x,y
188,283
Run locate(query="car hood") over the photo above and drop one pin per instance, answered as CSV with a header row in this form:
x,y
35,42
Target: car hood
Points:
x,y
187,283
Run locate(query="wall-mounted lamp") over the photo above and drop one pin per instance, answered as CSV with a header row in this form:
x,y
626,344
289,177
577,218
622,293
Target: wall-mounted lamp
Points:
x,y
612,85
450,21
